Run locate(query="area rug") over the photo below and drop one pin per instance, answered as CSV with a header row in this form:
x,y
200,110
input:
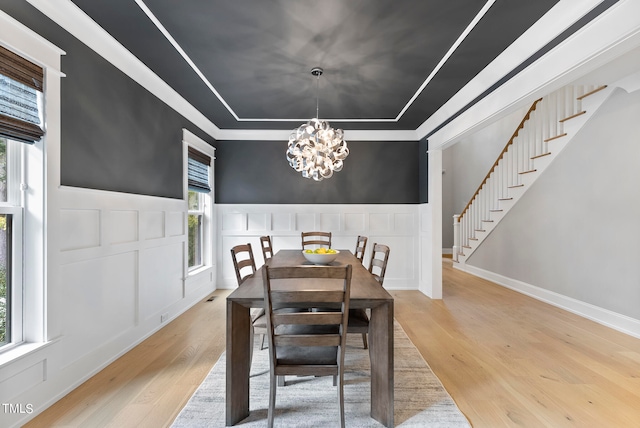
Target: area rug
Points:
x,y
420,398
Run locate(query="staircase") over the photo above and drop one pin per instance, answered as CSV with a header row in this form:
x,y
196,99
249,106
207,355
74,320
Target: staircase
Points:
x,y
549,125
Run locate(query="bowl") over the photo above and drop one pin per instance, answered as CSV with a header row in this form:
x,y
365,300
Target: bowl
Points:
x,y
320,259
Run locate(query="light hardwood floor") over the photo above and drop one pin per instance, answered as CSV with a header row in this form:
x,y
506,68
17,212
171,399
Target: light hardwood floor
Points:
x,y
506,359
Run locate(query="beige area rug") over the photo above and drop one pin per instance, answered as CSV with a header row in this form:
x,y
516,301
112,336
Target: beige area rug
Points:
x,y
420,398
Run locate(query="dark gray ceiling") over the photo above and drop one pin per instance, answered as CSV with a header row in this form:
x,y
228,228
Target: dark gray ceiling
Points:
x,y
257,54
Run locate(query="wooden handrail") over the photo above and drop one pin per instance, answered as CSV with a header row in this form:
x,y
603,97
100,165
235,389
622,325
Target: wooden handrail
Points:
x,y
515,134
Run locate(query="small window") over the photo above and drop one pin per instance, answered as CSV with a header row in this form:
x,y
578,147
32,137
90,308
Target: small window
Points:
x,y
196,229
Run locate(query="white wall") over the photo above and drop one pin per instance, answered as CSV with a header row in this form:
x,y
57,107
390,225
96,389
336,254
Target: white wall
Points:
x,y
392,225
117,269
571,239
467,162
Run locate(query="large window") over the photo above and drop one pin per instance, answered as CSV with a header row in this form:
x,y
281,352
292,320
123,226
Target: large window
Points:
x,y
21,128
11,212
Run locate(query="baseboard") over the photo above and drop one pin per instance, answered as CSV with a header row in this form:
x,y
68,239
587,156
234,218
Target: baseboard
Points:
x,y
594,313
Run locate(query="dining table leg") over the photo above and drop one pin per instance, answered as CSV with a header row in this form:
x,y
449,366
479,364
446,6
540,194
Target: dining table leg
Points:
x,y
381,355
238,362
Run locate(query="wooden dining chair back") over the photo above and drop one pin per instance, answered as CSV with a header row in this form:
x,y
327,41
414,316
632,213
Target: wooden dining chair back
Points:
x,y
245,266
243,262
378,263
361,245
267,249
318,239
306,343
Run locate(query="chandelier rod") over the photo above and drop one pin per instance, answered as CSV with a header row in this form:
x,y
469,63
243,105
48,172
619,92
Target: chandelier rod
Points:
x,y
317,71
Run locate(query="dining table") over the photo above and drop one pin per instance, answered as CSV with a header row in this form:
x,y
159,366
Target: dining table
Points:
x,y
366,293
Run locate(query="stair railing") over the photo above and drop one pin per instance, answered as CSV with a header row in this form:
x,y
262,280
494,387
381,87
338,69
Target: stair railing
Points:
x,y
543,123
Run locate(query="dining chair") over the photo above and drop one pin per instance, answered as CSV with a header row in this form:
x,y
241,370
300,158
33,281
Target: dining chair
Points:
x,y
358,318
245,266
361,244
322,239
267,249
378,263
306,343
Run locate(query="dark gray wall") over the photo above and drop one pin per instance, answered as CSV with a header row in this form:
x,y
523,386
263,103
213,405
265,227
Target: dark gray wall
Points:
x,y
115,134
423,171
374,173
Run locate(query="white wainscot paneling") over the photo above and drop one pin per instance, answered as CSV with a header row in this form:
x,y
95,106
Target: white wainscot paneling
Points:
x,y
393,225
152,225
305,221
282,221
380,222
161,273
403,223
354,222
79,229
15,383
175,223
329,221
122,227
235,222
102,293
258,222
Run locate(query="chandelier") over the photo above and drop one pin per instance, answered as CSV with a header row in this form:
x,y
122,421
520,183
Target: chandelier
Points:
x,y
315,148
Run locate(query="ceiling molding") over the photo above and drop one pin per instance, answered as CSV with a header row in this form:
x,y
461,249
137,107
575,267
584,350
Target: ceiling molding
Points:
x,y
75,21
612,34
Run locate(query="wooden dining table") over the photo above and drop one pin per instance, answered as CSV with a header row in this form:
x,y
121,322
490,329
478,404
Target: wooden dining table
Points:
x,y
366,292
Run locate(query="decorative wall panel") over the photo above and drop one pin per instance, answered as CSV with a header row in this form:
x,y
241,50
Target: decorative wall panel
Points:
x,y
152,225
122,226
79,229
393,225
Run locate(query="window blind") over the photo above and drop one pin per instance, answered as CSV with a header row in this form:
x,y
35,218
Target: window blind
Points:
x,y
198,171
20,98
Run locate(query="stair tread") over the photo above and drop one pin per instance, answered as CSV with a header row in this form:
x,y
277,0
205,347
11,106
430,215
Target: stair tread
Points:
x,y
495,211
581,97
515,186
540,155
556,137
527,172
487,221
505,199
580,113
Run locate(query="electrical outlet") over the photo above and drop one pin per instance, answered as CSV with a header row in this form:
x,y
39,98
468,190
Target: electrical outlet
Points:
x,y
164,317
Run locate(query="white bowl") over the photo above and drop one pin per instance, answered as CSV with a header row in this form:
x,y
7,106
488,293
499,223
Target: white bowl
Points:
x,y
320,259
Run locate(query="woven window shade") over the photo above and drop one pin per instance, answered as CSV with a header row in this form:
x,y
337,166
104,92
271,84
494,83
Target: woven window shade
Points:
x,y
198,171
21,83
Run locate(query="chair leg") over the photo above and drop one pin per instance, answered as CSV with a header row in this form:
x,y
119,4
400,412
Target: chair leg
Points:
x,y
281,380
262,342
341,398
364,340
272,399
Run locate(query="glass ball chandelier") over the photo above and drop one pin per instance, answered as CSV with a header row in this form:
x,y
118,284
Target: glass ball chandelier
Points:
x,y
315,148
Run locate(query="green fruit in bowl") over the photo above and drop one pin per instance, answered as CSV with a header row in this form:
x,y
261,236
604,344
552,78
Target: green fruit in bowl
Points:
x,y
331,251
308,251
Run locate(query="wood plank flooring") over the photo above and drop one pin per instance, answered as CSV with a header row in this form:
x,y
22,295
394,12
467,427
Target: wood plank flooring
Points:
x,y
506,359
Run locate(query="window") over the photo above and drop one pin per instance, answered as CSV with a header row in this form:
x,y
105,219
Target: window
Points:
x,y
196,228
199,203
21,121
10,242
